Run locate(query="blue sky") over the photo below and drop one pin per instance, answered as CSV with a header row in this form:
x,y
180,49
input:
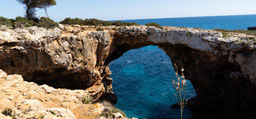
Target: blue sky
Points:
x,y
134,9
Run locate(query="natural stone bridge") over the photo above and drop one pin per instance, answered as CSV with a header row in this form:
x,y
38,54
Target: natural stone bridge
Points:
x,y
221,68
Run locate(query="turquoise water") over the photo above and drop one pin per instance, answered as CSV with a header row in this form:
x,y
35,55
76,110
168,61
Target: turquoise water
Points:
x,y
239,22
142,77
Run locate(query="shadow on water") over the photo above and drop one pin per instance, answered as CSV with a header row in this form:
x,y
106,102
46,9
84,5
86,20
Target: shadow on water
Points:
x,y
142,82
167,112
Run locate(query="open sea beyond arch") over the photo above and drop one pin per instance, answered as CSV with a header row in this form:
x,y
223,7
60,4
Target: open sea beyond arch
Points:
x,y
142,77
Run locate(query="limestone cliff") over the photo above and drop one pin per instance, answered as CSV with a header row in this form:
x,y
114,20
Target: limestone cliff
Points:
x,y
221,68
20,99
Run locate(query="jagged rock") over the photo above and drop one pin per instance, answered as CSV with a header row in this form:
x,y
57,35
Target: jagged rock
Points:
x,y
118,116
47,88
26,106
3,75
24,100
56,113
221,69
92,111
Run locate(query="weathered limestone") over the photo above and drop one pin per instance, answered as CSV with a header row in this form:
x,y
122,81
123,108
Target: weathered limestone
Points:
x,y
221,69
20,99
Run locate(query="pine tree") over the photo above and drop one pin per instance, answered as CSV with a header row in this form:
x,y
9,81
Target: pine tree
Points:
x,y
31,5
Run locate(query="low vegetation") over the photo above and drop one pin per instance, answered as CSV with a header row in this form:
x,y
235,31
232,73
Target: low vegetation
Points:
x,y
71,21
225,32
189,34
47,23
5,21
154,24
95,22
99,29
20,22
87,99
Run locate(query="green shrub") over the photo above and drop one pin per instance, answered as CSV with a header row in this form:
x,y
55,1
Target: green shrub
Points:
x,y
71,21
94,22
107,23
99,29
97,22
189,34
5,21
130,23
47,23
22,22
87,99
153,24
118,23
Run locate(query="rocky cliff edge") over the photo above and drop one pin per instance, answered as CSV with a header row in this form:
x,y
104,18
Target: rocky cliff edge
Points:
x,y
221,66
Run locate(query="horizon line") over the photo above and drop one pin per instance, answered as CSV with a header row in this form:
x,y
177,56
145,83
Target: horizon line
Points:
x,y
181,17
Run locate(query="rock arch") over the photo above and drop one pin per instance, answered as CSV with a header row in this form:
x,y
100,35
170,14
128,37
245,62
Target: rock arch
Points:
x,y
222,69
213,65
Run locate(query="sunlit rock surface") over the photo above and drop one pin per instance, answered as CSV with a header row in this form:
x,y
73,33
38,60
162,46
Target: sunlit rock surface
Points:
x,y
222,69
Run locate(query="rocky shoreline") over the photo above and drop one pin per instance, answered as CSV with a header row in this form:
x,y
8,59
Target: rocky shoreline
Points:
x,y
62,66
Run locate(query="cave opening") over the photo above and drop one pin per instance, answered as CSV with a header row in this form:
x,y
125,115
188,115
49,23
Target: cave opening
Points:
x,y
142,82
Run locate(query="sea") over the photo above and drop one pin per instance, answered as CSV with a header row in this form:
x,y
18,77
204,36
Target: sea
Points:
x,y
142,77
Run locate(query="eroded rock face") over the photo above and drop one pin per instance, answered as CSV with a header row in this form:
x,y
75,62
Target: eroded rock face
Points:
x,y
20,99
221,69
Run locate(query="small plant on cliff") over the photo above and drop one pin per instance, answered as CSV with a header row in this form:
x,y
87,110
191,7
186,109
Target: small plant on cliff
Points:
x,y
189,34
180,87
41,117
87,99
153,24
100,29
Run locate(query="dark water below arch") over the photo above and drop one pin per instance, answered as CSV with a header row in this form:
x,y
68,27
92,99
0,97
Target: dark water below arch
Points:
x,y
142,82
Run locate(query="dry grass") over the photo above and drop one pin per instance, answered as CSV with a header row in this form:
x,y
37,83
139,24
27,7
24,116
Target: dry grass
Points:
x,y
225,32
180,86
